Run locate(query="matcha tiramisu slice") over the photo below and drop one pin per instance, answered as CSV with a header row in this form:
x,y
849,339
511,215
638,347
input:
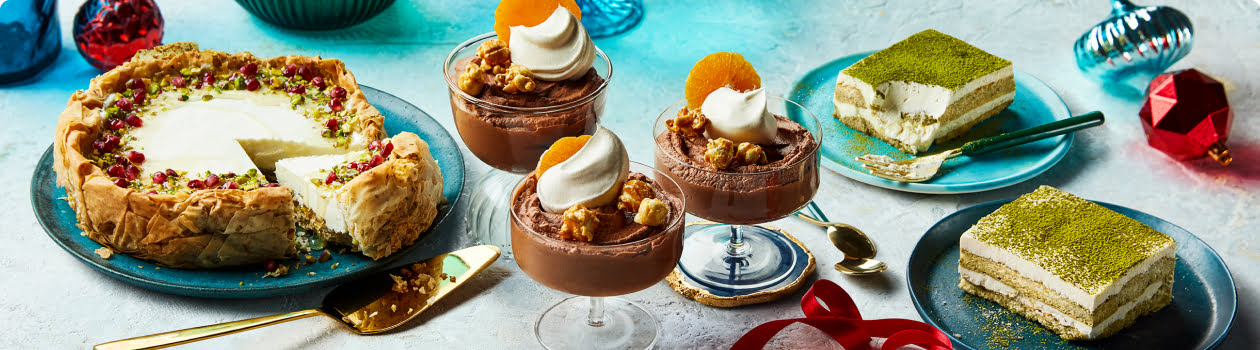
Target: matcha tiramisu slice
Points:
x,y
1079,269
929,87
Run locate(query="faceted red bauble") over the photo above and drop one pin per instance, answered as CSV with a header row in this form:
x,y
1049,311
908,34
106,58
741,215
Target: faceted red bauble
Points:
x,y
1187,116
108,32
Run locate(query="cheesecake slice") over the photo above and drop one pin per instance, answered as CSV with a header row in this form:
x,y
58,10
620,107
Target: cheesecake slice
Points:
x,y
376,201
1076,267
927,88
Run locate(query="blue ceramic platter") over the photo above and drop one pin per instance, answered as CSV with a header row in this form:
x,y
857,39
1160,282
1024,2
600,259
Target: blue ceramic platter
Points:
x,y
1202,308
58,219
1035,104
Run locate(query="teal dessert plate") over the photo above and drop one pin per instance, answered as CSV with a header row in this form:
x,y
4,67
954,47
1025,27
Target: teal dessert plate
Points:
x,y
1035,104
1204,299
58,219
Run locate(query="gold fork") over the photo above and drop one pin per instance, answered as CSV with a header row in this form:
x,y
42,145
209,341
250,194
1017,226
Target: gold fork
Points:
x,y
921,169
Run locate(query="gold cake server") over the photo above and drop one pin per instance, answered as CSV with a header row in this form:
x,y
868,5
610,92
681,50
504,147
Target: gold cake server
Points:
x,y
370,305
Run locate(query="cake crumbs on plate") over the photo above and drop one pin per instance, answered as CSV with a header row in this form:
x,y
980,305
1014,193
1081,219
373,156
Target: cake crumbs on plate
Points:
x,y
334,266
373,314
409,310
280,270
393,307
312,273
104,252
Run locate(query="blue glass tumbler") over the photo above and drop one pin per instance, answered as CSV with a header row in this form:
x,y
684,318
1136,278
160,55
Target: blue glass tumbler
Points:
x,y
30,37
604,18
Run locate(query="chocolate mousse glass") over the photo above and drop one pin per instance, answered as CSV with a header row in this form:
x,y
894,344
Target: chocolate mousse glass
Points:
x,y
624,257
738,256
510,131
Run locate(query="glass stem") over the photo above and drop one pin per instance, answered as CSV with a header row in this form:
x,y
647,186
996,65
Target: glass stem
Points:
x,y
596,317
735,247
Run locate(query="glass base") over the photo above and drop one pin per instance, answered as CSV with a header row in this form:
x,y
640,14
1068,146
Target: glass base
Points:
x,y
488,219
624,325
764,258
605,18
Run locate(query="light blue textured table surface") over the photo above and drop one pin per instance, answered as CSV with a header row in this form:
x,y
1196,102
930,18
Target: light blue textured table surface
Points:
x,y
51,300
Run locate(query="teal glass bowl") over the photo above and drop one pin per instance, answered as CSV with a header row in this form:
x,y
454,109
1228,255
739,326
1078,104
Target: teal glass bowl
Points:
x,y
314,14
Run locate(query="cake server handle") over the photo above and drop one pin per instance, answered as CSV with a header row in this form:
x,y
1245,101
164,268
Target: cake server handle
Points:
x,y
1011,139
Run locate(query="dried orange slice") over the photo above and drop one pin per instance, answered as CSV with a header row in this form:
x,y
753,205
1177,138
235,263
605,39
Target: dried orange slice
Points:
x,y
716,70
528,13
560,151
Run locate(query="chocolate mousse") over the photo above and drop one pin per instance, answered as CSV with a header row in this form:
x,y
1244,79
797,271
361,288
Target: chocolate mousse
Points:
x,y
509,131
623,256
784,184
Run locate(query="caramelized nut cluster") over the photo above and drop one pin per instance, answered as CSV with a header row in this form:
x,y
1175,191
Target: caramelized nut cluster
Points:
x,y
720,153
689,123
517,78
632,193
493,57
470,82
579,224
652,212
494,52
750,153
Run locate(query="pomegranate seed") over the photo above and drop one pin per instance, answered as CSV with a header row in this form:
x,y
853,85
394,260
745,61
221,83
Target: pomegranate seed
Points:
x,y
178,82
207,78
212,180
289,70
270,265
120,182
318,82
135,157
120,159
249,69
196,184
134,121
376,160
338,93
374,145
199,85
137,99
110,142
388,149
296,89
115,170
353,165
123,104
364,167
252,84
171,173
305,73
332,124
271,185
151,192
231,185
99,146
332,176
116,124
138,84
132,172
335,105
159,177
229,175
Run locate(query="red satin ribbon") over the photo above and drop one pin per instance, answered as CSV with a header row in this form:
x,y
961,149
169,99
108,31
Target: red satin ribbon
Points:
x,y
844,323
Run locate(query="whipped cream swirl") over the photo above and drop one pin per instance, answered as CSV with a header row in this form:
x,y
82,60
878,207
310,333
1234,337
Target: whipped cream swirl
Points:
x,y
591,177
556,49
739,116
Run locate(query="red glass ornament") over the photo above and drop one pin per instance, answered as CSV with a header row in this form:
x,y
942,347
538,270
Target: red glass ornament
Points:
x,y
109,32
1187,116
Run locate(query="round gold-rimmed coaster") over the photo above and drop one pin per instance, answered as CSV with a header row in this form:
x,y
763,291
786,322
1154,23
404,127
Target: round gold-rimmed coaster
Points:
x,y
725,298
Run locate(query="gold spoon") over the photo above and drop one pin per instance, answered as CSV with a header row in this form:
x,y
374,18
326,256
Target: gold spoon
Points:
x,y
859,250
369,305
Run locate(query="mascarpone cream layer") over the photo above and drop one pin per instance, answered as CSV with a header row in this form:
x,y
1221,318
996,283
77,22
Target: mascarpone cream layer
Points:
x,y
1071,292
233,132
1122,312
916,98
297,173
556,49
592,177
915,134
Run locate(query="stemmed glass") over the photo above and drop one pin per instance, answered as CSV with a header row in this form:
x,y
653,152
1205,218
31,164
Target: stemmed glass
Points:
x,y
512,139
738,256
605,18
595,320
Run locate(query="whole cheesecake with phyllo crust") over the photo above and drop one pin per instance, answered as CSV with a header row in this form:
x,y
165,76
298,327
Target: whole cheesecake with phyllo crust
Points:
x,y
171,156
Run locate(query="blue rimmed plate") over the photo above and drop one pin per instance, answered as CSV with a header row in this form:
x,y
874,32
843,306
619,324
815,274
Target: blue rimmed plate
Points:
x,y
1035,104
1203,304
58,219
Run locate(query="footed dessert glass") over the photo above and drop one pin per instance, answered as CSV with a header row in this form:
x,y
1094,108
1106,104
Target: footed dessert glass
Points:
x,y
739,256
593,319
512,139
